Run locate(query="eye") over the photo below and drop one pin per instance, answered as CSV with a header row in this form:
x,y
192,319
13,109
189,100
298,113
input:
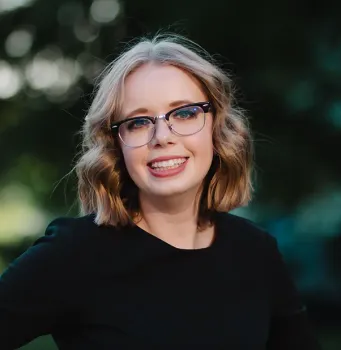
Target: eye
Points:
x,y
137,123
186,113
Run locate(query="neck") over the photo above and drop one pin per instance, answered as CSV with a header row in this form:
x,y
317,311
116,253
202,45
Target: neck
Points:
x,y
173,220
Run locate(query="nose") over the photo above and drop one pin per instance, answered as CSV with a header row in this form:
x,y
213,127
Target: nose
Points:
x,y
163,133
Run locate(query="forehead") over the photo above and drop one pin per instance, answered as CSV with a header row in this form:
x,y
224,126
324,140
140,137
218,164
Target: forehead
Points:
x,y
156,86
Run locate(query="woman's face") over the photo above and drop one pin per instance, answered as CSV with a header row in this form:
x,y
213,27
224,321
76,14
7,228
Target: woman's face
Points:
x,y
154,90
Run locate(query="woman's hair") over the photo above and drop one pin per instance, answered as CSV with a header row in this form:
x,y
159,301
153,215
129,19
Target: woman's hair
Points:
x,y
104,185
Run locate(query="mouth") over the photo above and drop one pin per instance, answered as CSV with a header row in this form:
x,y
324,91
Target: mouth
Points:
x,y
167,164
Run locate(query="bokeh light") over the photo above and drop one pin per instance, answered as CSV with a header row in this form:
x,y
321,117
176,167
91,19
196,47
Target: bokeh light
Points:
x,y
85,31
10,5
104,11
52,73
19,43
11,80
17,202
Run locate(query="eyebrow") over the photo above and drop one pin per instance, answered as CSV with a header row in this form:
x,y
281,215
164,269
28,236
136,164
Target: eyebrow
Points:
x,y
144,111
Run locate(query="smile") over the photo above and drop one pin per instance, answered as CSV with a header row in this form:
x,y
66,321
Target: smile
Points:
x,y
167,168
168,164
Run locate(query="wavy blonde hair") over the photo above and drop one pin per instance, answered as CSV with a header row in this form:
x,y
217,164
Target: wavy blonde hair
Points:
x,y
104,185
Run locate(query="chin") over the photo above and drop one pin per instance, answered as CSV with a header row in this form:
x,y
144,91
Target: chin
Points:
x,y
168,190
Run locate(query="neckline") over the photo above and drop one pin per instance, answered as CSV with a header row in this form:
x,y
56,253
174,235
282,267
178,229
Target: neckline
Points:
x,y
161,243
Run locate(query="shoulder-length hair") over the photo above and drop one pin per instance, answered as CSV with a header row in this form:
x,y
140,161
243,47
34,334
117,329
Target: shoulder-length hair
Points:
x,y
104,185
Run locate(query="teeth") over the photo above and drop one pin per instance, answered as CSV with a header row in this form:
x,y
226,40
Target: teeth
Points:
x,y
168,163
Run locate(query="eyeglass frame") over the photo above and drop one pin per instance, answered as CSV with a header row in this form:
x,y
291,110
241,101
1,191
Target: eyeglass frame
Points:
x,y
205,106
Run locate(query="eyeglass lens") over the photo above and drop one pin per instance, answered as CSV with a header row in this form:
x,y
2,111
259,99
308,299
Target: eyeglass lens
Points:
x,y
183,121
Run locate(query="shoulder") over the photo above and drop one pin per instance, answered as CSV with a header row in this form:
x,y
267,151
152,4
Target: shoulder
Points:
x,y
246,235
73,228
61,233
84,238
241,228
56,251
71,223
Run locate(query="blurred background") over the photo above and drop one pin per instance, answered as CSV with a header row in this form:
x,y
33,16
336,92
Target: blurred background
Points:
x,y
285,58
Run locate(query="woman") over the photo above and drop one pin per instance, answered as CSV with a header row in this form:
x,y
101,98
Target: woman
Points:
x,y
156,258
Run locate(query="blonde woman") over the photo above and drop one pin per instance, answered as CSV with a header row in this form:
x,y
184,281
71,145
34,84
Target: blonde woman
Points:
x,y
156,258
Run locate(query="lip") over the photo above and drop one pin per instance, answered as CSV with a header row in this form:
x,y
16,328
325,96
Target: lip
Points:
x,y
168,172
160,159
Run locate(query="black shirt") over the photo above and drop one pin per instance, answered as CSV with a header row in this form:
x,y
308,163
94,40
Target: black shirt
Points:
x,y
100,288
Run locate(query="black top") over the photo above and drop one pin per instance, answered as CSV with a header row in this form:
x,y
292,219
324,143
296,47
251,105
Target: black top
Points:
x,y
100,288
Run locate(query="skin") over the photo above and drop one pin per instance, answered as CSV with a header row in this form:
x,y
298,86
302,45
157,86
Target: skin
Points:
x,y
168,203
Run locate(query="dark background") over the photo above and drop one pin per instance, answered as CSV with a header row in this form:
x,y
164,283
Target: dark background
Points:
x,y
285,58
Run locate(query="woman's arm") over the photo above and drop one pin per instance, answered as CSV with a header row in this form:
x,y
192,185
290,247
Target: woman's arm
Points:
x,y
33,297
290,328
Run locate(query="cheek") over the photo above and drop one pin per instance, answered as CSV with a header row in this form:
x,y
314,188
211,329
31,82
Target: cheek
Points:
x,y
202,144
205,150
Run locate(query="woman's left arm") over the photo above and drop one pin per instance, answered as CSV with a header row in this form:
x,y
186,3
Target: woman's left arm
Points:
x,y
290,328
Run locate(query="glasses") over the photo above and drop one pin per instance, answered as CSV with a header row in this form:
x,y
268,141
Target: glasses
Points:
x,y
182,121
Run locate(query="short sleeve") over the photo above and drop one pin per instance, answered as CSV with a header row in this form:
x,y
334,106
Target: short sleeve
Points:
x,y
36,288
290,328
